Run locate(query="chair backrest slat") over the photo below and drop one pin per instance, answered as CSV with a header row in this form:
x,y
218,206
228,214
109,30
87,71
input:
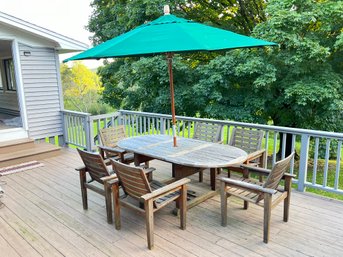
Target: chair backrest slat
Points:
x,y
94,164
111,136
209,132
133,179
277,172
247,139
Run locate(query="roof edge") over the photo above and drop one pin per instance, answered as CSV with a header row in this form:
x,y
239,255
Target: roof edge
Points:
x,y
64,42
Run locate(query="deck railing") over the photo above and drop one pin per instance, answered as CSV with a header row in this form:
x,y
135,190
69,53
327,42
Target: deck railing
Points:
x,y
317,151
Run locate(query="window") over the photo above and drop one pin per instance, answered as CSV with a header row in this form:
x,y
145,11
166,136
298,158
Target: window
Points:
x,y
9,75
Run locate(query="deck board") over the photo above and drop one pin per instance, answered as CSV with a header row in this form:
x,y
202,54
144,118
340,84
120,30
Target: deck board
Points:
x,y
43,216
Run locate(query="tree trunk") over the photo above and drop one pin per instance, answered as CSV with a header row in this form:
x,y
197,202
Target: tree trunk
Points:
x,y
288,145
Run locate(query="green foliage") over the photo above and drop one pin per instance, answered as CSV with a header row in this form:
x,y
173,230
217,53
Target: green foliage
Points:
x,y
298,84
82,89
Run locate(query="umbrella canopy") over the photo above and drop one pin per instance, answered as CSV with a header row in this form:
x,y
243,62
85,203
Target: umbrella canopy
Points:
x,y
167,35
170,34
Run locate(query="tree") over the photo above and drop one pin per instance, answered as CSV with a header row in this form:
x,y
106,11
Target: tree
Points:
x,y
142,84
298,84
81,88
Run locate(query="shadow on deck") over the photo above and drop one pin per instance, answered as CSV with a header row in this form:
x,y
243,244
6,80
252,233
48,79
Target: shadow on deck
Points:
x,y
43,216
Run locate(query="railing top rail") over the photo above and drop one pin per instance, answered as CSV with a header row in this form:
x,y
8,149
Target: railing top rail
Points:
x,y
103,116
76,113
297,131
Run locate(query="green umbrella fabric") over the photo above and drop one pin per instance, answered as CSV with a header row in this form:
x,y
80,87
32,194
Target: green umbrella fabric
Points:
x,y
169,34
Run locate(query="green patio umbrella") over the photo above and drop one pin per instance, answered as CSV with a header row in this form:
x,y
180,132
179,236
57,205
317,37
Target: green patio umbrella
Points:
x,y
167,35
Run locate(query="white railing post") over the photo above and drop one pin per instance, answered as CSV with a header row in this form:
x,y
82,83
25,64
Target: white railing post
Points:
x,y
88,131
65,130
162,126
302,176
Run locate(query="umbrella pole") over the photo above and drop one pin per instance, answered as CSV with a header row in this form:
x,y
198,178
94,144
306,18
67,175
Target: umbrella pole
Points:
x,y
171,82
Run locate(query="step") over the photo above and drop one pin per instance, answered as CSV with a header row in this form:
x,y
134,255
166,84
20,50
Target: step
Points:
x,y
14,145
37,151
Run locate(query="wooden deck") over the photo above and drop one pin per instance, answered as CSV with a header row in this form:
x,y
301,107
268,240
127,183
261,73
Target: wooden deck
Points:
x,y
43,216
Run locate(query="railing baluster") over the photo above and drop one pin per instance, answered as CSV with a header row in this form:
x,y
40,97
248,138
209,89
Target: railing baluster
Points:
x,y
326,167
137,128
189,124
283,152
315,161
266,145
140,125
153,126
338,164
305,142
149,126
274,148
291,169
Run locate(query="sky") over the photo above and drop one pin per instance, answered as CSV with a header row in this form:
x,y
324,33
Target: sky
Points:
x,y
66,17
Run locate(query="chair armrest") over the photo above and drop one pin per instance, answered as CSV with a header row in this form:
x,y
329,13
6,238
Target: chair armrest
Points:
x,y
110,177
112,149
148,170
289,175
263,171
254,169
245,185
166,189
256,154
81,168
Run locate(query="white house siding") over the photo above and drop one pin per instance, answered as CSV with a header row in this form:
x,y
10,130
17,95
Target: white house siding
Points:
x,y
41,89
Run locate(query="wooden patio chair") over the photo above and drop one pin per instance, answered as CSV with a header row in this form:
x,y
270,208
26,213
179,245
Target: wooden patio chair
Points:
x,y
153,195
250,141
209,132
109,149
98,172
266,195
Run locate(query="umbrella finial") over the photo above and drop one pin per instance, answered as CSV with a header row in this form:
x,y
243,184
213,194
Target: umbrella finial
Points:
x,y
166,10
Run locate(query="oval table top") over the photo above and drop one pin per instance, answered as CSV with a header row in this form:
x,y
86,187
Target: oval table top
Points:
x,y
189,152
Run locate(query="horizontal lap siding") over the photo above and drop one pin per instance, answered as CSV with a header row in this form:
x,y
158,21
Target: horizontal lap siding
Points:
x,y
41,88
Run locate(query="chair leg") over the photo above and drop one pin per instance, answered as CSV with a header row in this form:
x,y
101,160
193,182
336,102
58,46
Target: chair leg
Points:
x,y
149,216
213,174
116,205
246,205
287,200
83,189
267,215
246,175
183,206
108,203
223,203
201,175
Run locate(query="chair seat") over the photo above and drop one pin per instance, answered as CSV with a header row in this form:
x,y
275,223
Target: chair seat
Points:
x,y
156,185
128,157
249,196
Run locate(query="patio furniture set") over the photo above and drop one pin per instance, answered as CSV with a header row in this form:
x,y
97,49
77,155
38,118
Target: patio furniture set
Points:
x,y
122,169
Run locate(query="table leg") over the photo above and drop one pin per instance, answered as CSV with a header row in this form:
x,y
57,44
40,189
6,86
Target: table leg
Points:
x,y
213,174
139,158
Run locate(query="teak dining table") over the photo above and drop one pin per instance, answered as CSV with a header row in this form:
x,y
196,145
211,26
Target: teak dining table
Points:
x,y
188,155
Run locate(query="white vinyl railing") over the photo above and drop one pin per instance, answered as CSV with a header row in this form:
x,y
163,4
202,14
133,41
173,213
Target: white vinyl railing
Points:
x,y
318,152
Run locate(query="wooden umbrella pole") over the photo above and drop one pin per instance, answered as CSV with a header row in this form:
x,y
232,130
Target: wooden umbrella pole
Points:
x,y
171,82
